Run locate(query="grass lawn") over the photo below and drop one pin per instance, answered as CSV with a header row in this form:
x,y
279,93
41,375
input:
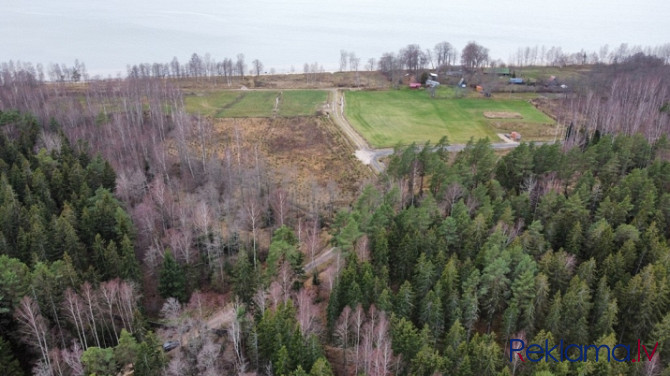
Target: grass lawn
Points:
x,y
231,104
386,118
251,104
210,103
301,102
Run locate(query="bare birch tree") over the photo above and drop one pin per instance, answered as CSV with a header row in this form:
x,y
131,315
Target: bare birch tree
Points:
x,y
33,327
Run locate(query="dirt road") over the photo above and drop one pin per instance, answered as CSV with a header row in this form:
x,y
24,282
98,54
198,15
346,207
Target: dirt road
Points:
x,y
364,152
321,259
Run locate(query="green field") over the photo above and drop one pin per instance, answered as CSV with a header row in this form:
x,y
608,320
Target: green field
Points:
x,y
227,104
301,102
251,104
386,118
210,103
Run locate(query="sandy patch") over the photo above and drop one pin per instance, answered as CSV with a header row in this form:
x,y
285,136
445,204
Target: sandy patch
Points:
x,y
502,115
364,156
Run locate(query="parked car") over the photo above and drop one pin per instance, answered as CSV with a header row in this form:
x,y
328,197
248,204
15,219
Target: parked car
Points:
x,y
170,345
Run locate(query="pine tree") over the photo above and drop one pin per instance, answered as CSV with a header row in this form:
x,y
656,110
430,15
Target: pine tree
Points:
x,y
172,280
321,368
112,261
495,285
406,340
427,362
432,314
244,283
282,363
126,350
129,268
424,275
576,311
150,356
8,363
404,301
605,310
99,361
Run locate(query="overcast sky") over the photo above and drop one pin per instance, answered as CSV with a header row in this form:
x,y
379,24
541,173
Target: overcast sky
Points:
x,y
108,35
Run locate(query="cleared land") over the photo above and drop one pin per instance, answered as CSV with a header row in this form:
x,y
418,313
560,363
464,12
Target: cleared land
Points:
x,y
306,153
255,103
301,102
386,118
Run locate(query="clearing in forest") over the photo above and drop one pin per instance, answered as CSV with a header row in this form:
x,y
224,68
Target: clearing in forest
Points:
x,y
386,118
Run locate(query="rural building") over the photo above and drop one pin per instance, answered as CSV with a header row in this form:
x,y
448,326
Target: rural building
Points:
x,y
414,85
516,81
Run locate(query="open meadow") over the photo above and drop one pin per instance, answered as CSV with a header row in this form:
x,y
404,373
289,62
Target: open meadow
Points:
x,y
386,118
255,103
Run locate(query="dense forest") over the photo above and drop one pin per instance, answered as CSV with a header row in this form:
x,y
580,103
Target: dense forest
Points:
x,y
123,225
540,244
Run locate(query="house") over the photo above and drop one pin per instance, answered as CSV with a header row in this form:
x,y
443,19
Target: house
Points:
x,y
516,81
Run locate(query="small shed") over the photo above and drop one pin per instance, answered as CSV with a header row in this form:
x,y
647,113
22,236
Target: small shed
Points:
x,y
515,136
414,85
516,81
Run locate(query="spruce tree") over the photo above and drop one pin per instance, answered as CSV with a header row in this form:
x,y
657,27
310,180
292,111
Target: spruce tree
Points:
x,y
172,280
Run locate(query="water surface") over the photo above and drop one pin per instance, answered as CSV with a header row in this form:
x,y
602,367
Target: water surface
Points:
x,y
108,35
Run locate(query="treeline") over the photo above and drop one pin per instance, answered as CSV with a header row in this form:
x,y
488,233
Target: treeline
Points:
x,y
555,56
197,67
444,57
465,253
630,97
68,271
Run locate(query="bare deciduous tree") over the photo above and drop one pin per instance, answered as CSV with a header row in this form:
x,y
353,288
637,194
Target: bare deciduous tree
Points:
x,y
207,358
444,53
177,366
474,55
359,318
235,335
307,312
240,66
33,328
343,60
252,213
258,67
313,238
279,202
72,358
342,332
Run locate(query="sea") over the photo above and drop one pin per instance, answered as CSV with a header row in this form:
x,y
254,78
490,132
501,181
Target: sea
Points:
x,y
285,34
